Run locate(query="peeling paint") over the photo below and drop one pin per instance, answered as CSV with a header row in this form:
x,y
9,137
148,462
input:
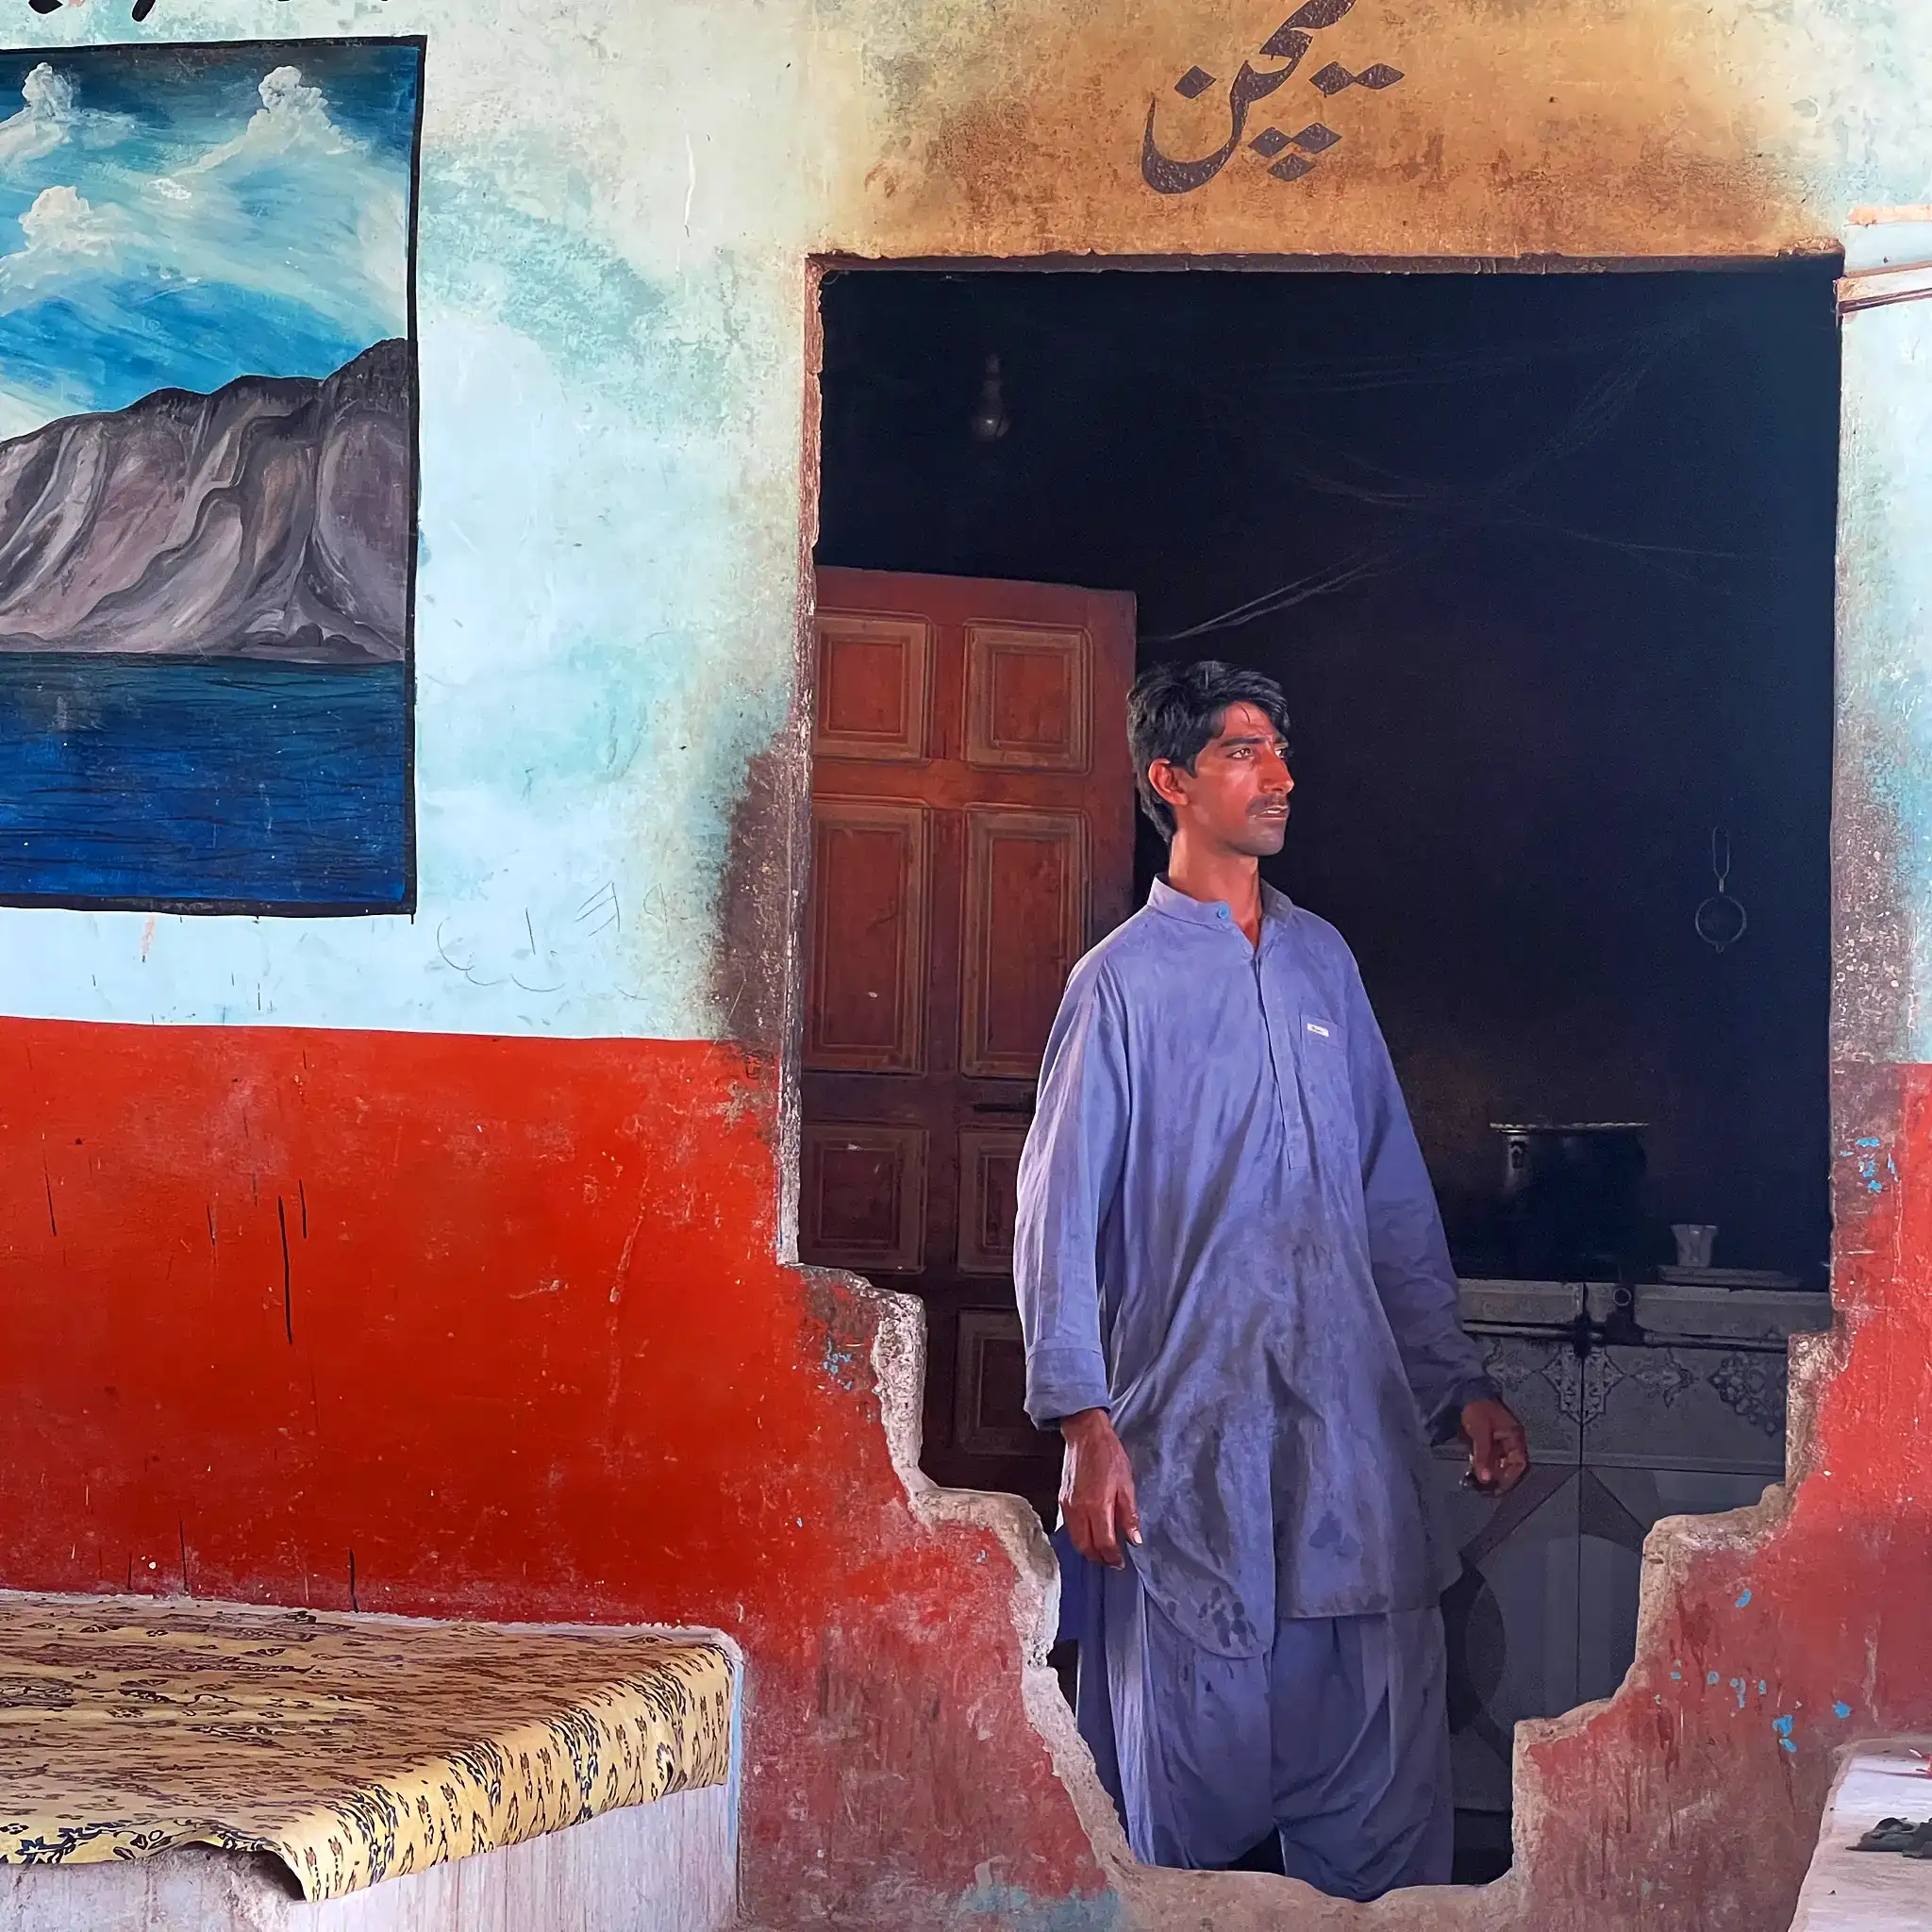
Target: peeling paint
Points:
x,y
618,436
1009,1908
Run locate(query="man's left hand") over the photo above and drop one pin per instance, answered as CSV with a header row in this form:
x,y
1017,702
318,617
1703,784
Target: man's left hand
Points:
x,y
1498,1449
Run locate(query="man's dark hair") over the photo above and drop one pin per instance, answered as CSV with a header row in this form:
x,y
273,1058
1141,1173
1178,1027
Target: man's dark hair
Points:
x,y
1176,709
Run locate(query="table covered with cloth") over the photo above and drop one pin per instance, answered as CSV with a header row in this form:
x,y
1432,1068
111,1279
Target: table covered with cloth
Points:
x,y
354,1748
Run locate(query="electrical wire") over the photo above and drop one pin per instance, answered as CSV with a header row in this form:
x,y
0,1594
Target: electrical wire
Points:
x,y
1458,505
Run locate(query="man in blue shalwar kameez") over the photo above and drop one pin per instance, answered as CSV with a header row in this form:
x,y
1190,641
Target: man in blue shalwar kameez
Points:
x,y
1239,1312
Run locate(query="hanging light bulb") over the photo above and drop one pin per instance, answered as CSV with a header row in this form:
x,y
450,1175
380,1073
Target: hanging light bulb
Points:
x,y
990,419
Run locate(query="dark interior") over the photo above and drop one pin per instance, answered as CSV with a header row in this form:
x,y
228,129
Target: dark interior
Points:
x,y
1544,565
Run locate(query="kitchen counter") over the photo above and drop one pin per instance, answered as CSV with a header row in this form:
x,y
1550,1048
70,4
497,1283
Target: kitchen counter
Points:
x,y
1687,1419
1663,1308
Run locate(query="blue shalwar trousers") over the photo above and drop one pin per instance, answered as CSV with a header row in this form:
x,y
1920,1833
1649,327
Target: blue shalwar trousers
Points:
x,y
1337,1738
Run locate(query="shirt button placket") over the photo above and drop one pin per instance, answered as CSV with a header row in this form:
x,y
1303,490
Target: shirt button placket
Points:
x,y
1283,1056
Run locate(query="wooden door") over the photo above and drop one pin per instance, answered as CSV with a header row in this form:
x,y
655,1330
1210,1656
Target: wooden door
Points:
x,y
973,834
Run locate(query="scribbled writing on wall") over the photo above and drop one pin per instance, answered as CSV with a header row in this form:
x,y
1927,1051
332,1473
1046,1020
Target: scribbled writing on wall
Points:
x,y
1290,156
141,8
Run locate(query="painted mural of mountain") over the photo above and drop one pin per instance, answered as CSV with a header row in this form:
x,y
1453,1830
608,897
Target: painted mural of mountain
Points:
x,y
270,520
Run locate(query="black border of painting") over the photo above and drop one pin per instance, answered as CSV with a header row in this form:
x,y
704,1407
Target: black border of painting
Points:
x,y
421,42
404,907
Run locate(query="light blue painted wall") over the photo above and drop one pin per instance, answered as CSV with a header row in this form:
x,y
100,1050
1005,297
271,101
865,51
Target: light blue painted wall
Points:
x,y
611,366
1884,847
618,201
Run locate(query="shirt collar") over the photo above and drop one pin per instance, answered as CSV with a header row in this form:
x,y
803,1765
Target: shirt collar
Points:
x,y
1213,912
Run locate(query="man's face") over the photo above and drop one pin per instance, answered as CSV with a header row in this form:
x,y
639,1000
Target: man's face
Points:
x,y
1235,797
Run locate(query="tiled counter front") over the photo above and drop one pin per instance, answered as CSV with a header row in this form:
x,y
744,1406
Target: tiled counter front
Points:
x,y
1543,1616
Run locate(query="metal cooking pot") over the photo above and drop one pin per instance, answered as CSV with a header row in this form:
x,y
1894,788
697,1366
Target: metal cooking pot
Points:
x,y
1571,1199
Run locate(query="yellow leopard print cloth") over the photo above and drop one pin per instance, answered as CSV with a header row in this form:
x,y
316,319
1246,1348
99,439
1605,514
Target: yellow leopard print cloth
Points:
x,y
353,1748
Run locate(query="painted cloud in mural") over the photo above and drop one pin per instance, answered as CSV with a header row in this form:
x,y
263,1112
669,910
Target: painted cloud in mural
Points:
x,y
260,236
207,475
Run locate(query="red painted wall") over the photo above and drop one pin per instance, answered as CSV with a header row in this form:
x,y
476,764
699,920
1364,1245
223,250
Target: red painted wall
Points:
x,y
1692,1802
543,1366
501,1319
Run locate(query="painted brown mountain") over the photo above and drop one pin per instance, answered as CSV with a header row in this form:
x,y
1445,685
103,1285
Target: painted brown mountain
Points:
x,y
270,520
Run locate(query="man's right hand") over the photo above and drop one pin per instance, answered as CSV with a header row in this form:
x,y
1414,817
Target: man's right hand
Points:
x,y
1097,1488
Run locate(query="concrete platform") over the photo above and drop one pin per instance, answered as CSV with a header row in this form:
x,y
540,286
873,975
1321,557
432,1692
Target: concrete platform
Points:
x,y
188,1766
1871,1891
663,1866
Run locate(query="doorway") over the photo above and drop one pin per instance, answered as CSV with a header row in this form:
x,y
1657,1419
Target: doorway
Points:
x,y
1545,567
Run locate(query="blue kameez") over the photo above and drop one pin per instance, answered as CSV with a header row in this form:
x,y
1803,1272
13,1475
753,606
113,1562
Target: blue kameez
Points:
x,y
1228,1238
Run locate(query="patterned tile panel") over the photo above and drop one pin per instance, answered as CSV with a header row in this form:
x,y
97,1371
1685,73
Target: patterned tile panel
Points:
x,y
1510,1621
1537,1377
1689,1407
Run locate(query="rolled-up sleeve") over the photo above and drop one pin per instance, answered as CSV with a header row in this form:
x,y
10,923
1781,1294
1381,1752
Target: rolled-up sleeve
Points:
x,y
1069,1173
1408,1251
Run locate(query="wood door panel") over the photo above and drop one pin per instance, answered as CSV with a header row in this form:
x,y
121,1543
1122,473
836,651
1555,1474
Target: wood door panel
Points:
x,y
990,1387
862,1197
973,833
874,674
865,1006
1026,919
989,1197
1027,706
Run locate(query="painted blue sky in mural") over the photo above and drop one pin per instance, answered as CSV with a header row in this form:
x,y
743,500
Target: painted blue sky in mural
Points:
x,y
192,215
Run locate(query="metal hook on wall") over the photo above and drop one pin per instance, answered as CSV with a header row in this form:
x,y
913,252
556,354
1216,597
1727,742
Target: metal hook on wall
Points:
x,y
1721,920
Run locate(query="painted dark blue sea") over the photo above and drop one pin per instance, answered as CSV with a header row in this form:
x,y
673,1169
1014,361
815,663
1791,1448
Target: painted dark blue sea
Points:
x,y
232,785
